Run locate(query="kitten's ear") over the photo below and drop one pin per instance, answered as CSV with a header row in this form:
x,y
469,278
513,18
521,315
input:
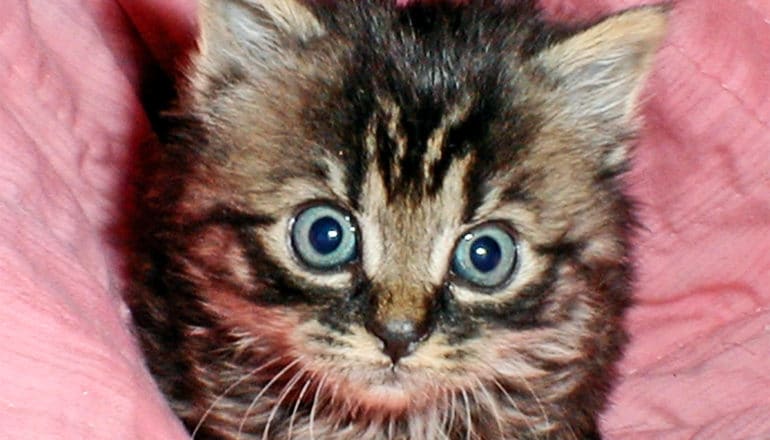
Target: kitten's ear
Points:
x,y
601,69
233,28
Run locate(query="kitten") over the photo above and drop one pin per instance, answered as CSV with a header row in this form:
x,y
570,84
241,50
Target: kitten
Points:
x,y
372,221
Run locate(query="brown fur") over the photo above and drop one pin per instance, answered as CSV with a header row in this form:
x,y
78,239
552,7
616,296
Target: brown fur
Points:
x,y
422,123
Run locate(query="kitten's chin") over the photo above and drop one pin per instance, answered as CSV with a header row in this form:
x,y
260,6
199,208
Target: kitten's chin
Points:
x,y
391,391
387,397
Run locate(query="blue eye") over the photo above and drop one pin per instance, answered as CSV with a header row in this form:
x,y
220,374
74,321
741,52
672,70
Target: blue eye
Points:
x,y
324,237
485,256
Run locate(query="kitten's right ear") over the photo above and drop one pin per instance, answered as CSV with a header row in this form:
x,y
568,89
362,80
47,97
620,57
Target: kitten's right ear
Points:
x,y
601,69
234,28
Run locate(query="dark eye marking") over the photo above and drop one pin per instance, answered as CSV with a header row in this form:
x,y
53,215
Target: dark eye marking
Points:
x,y
226,215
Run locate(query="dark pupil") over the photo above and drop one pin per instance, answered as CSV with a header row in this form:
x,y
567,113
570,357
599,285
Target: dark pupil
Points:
x,y
325,235
485,254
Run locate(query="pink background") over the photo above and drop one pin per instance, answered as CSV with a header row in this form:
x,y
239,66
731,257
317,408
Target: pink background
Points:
x,y
70,117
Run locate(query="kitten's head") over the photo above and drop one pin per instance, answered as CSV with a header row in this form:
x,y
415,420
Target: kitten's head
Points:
x,y
401,219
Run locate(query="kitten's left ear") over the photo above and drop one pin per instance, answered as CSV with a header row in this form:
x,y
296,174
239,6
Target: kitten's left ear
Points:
x,y
232,29
600,71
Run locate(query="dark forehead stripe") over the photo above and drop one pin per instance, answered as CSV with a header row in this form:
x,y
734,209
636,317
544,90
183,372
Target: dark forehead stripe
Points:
x,y
420,120
426,59
414,150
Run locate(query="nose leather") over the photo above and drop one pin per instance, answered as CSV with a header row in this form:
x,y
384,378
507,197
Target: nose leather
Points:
x,y
399,336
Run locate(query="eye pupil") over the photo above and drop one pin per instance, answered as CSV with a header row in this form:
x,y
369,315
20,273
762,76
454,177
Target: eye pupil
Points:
x,y
325,235
485,254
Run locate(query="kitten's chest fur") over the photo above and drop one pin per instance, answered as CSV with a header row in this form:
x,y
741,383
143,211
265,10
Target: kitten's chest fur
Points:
x,y
381,222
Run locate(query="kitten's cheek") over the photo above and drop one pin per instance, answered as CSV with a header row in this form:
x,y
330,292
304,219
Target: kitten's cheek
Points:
x,y
270,327
220,269
217,259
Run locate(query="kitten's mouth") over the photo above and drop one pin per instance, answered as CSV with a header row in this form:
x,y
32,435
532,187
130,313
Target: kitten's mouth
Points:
x,y
389,395
391,390
393,379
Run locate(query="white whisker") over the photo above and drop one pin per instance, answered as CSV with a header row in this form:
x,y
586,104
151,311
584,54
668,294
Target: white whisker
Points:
x,y
512,401
492,406
572,431
296,406
468,419
537,400
286,390
313,407
332,398
445,417
452,412
262,393
226,392
515,406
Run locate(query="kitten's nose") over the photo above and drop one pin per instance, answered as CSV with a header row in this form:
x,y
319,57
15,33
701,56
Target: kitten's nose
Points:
x,y
399,336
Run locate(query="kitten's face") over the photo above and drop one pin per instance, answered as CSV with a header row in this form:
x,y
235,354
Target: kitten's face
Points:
x,y
402,223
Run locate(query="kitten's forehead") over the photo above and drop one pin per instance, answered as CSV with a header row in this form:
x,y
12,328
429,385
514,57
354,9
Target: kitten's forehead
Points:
x,y
418,95
411,156
411,208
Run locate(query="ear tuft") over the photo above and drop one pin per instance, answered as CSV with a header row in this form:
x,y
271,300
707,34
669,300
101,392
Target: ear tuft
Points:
x,y
233,28
600,70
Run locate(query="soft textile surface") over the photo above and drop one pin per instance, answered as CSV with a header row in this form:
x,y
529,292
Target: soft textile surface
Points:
x,y
70,117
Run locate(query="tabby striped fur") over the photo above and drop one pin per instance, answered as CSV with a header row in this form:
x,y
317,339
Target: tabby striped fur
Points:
x,y
421,122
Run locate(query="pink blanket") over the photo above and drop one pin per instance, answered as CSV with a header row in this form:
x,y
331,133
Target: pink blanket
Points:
x,y
70,116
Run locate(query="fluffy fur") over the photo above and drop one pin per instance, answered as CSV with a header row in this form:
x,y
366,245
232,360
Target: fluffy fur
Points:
x,y
421,122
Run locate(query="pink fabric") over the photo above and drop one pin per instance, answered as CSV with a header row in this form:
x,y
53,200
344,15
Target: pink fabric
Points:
x,y
70,117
